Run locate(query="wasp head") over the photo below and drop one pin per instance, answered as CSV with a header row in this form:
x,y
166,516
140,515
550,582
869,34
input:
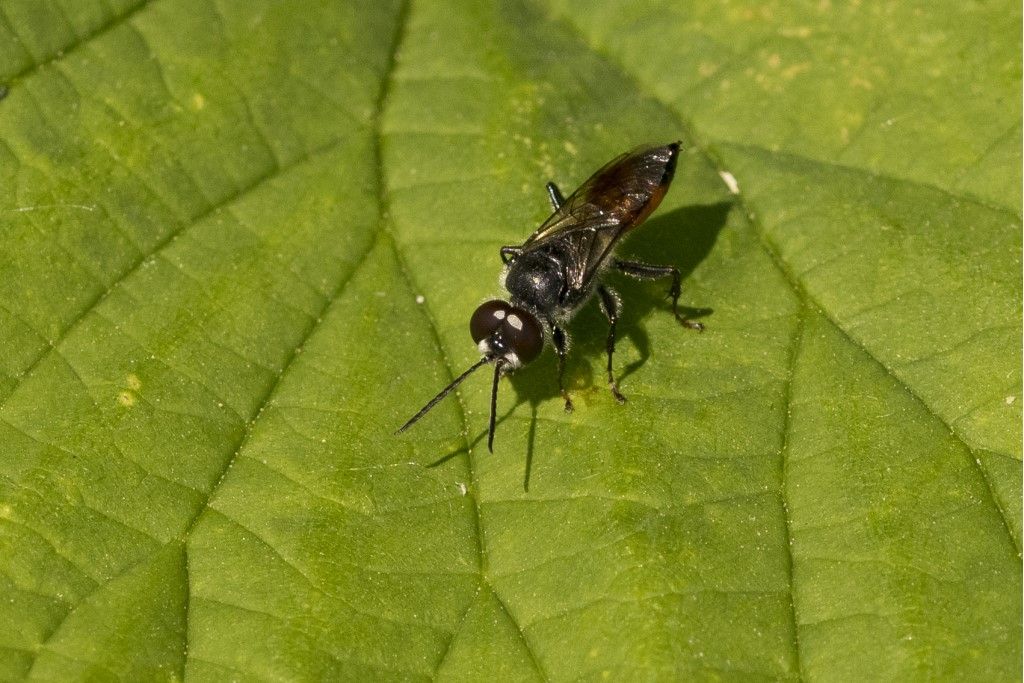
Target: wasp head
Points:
x,y
506,333
509,337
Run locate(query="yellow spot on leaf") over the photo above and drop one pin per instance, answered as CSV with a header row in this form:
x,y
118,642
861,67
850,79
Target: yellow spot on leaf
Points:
x,y
795,69
858,82
705,69
796,32
126,398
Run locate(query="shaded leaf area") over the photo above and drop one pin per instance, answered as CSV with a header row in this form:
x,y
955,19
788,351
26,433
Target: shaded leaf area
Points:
x,y
878,148
691,514
204,368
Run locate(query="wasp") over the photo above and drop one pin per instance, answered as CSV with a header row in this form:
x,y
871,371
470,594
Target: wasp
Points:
x,y
560,267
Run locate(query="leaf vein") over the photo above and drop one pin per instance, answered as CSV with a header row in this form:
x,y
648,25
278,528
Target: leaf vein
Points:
x,y
795,345
64,52
102,295
877,175
53,546
284,622
243,439
522,635
316,587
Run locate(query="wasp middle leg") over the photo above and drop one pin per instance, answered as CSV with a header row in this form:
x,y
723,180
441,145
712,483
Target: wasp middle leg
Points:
x,y
610,306
561,342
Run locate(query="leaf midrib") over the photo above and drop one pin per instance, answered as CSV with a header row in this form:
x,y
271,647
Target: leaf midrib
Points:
x,y
406,274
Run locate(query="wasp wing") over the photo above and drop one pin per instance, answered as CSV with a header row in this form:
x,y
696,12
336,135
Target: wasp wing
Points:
x,y
613,201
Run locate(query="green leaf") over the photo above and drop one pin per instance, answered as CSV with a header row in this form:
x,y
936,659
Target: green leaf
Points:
x,y
240,245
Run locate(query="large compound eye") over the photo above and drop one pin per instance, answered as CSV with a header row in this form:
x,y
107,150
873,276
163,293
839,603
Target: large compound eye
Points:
x,y
487,318
518,331
524,334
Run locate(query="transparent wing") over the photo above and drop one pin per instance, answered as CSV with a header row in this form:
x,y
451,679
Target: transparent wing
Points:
x,y
613,201
623,192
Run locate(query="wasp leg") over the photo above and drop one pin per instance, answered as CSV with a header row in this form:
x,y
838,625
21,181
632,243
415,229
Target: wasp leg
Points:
x,y
555,195
561,342
647,271
610,306
508,253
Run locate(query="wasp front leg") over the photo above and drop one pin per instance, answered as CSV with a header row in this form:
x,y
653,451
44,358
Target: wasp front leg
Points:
x,y
509,253
561,342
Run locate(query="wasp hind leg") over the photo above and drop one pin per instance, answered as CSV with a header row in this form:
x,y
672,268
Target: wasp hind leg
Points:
x,y
610,307
555,195
647,271
561,342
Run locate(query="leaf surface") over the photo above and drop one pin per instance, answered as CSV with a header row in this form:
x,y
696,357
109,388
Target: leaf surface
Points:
x,y
242,242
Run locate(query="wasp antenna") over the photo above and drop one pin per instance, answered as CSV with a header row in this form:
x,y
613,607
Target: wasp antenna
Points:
x,y
444,392
494,405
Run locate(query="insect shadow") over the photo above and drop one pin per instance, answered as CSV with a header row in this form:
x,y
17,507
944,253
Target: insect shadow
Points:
x,y
683,237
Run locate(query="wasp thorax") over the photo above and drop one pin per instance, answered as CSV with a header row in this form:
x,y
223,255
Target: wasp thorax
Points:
x,y
506,331
537,279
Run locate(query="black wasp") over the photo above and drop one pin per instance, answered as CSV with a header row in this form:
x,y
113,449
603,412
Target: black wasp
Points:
x,y
559,268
